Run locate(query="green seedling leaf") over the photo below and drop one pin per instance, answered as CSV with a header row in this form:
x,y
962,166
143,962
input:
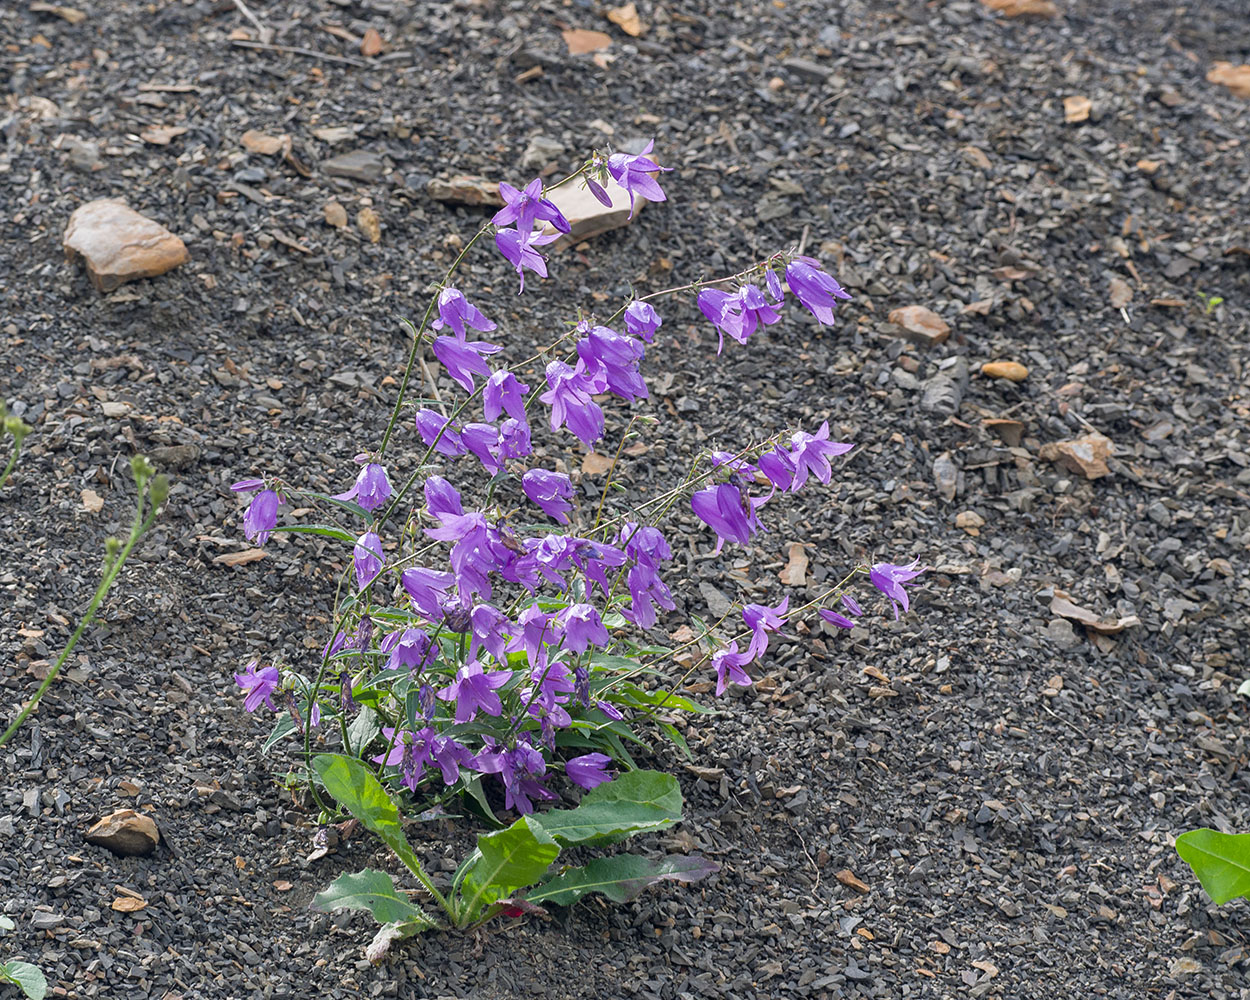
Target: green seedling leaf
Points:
x,y
508,859
325,530
356,789
373,891
636,802
1220,860
620,878
26,977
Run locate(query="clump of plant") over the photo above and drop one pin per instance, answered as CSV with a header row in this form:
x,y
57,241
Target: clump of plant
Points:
x,y
152,490
490,637
11,426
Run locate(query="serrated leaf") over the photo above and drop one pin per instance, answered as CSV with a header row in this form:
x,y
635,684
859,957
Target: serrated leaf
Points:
x,y
636,802
364,729
356,789
1220,860
508,859
620,878
373,891
26,977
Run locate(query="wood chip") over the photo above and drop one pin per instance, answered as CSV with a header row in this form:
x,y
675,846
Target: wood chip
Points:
x,y
128,904
70,14
594,464
240,558
1061,604
848,879
626,18
580,41
1023,8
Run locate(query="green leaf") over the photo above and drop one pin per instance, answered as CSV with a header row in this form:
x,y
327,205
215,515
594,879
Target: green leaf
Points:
x,y
636,802
352,508
387,935
620,878
475,802
316,529
359,792
664,699
363,730
678,740
373,891
509,859
1220,860
26,976
283,728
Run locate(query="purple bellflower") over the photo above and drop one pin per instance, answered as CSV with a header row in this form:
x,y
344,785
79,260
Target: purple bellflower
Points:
x,y
514,439
519,769
588,770
721,309
425,587
261,516
816,289
583,627
754,310
455,311
761,620
441,498
483,441
726,511
526,206
410,648
259,685
889,579
642,320
550,490
520,253
463,358
729,663
614,358
568,395
502,392
368,559
834,618
372,488
633,173
778,466
811,454
439,433
473,690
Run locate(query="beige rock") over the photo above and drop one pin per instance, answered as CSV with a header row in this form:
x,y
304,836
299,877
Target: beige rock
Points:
x,y
120,245
1235,78
335,214
1085,456
922,325
1012,370
587,215
969,520
1076,109
369,224
125,832
464,189
1023,8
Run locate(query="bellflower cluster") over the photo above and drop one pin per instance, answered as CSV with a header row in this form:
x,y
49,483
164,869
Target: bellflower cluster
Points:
x,y
482,641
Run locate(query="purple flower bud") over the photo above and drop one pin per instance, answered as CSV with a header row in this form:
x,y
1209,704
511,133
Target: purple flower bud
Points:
x,y
633,173
610,710
368,558
247,485
818,291
550,490
642,320
261,517
595,188
852,605
588,770
463,359
889,579
836,619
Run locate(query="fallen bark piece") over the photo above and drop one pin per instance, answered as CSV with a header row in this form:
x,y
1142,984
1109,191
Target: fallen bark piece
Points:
x,y
120,245
1085,456
1061,604
923,325
126,833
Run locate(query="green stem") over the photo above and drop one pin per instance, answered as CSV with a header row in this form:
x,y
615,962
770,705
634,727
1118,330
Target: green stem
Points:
x,y
137,529
4,476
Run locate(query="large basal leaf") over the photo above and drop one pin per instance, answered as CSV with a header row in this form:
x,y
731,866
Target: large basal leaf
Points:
x,y
373,891
356,789
25,976
1220,860
636,802
620,878
508,859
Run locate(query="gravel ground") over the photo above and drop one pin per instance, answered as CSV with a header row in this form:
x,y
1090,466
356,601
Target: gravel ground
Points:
x,y
1006,785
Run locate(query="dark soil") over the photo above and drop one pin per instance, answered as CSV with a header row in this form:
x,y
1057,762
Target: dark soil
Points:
x,y
1007,789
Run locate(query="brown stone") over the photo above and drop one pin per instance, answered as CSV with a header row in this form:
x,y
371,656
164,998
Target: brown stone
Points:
x,y
587,215
125,832
922,325
1235,78
465,190
1012,370
120,245
1085,456
1023,8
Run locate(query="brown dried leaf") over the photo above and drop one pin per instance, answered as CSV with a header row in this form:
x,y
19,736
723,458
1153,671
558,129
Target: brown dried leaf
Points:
x,y
626,18
847,878
580,41
1121,293
128,904
595,464
240,558
795,572
266,145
